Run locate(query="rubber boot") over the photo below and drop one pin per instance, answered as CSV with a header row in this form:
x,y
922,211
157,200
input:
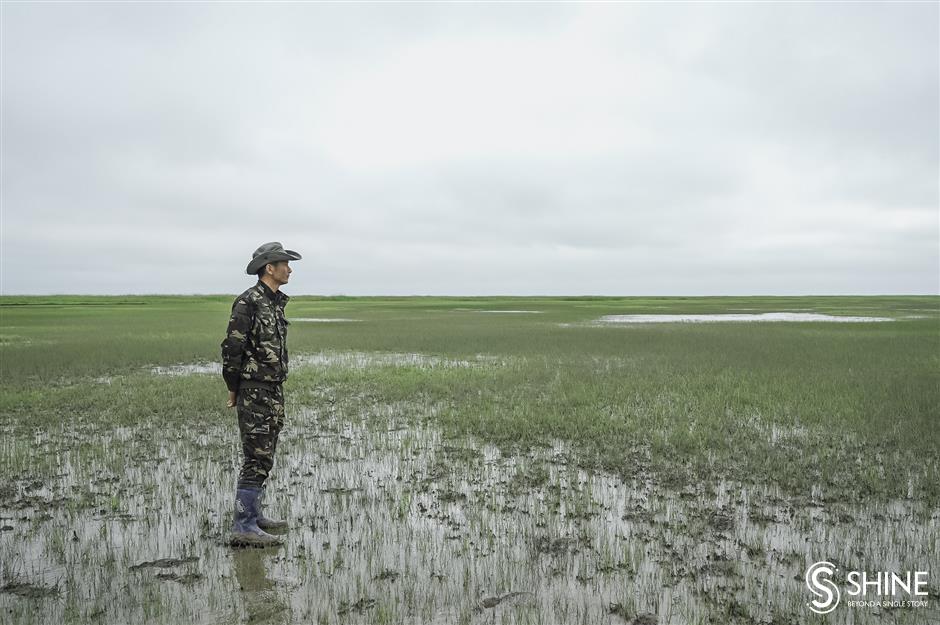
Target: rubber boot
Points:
x,y
264,522
245,532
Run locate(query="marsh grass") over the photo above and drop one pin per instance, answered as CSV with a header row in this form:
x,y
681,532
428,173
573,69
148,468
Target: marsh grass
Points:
x,y
672,469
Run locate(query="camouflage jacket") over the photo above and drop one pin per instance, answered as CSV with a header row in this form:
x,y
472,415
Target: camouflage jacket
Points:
x,y
255,344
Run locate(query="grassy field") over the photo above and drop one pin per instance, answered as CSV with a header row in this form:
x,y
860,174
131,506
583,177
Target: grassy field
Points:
x,y
443,463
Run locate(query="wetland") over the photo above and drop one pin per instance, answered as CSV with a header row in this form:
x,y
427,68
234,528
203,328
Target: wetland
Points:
x,y
439,465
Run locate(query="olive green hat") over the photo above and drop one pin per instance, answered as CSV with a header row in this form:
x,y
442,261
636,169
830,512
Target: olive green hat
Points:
x,y
269,253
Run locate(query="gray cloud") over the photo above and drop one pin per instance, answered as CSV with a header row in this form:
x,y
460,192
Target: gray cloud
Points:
x,y
478,148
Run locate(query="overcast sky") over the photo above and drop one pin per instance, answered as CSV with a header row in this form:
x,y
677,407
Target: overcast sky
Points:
x,y
622,149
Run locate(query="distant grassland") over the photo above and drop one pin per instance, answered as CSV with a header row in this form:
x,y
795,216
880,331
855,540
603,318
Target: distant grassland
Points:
x,y
852,410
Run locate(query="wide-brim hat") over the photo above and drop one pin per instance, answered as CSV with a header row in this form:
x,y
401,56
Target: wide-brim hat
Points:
x,y
269,253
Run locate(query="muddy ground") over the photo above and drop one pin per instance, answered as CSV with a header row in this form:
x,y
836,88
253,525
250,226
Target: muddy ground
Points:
x,y
392,522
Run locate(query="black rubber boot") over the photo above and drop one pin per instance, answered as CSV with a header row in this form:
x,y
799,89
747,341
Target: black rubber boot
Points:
x,y
264,522
245,532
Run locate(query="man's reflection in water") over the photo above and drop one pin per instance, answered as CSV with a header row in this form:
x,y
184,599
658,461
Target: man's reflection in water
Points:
x,y
263,602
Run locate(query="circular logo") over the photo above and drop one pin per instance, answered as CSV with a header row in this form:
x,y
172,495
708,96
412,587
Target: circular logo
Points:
x,y
818,582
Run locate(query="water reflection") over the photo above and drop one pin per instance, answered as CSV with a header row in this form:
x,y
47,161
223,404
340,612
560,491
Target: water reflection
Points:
x,y
262,600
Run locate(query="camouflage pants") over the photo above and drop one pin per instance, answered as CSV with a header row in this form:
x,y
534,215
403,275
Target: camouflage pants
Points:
x,y
260,419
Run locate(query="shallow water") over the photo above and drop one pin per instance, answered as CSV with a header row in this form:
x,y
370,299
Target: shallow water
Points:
x,y
768,317
364,360
201,368
343,360
392,522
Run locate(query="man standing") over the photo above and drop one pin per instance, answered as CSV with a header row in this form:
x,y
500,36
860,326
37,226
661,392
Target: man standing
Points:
x,y
254,366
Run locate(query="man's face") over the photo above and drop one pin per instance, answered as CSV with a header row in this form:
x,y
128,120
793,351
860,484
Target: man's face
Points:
x,y
280,271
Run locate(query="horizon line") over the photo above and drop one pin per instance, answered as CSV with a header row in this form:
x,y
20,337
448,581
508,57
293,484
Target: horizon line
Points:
x,y
937,294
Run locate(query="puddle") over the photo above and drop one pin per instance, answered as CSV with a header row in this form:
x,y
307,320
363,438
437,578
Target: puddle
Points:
x,y
365,360
204,368
343,360
766,317
323,319
392,522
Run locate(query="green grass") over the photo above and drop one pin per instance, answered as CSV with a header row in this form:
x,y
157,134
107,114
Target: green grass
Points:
x,y
857,405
